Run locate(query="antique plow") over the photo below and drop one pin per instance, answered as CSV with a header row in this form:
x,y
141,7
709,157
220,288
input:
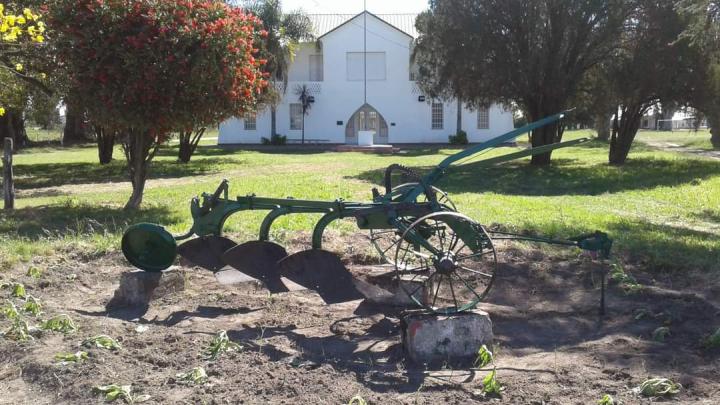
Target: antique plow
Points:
x,y
443,260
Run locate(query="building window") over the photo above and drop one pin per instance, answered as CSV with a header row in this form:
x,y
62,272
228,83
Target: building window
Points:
x,y
375,66
316,68
295,116
437,116
250,122
483,118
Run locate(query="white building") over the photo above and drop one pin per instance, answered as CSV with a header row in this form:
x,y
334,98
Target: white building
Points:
x,y
334,70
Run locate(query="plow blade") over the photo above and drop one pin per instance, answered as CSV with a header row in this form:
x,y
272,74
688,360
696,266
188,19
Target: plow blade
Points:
x,y
258,259
322,272
206,251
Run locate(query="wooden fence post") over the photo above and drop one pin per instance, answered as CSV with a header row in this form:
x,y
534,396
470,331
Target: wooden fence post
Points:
x,y
8,187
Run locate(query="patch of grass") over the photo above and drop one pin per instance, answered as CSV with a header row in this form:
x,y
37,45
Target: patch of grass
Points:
x,y
687,139
103,342
220,344
712,341
658,387
659,207
61,323
195,376
34,272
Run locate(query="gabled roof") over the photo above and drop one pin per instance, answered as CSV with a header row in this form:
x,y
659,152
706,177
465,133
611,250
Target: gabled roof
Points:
x,y
325,23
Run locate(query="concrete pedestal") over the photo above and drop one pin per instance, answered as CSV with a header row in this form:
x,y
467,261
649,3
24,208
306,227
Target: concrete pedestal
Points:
x,y
138,288
433,339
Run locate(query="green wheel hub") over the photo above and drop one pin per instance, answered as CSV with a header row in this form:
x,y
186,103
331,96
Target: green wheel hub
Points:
x,y
149,247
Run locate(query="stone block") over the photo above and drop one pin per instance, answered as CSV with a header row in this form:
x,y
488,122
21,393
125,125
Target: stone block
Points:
x,y
434,339
137,288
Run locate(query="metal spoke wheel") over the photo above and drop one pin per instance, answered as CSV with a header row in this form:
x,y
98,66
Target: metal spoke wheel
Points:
x,y
385,240
445,262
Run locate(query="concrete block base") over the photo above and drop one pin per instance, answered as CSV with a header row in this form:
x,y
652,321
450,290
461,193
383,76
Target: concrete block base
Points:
x,y
433,339
138,288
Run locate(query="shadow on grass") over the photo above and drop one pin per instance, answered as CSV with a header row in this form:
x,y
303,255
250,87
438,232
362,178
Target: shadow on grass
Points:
x,y
78,219
36,175
566,177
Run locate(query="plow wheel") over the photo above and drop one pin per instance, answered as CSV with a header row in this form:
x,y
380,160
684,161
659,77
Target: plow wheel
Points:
x,y
445,262
386,240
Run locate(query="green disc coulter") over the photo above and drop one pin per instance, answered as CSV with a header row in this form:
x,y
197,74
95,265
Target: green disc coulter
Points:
x,y
445,261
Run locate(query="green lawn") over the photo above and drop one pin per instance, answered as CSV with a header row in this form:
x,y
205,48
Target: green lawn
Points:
x,y
687,139
662,208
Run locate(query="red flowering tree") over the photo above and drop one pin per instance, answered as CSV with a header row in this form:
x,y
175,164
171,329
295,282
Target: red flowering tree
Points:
x,y
146,68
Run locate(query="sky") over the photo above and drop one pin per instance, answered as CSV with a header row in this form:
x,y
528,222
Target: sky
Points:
x,y
355,6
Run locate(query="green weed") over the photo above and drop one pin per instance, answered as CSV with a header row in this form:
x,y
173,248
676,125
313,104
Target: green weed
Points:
x,y
195,376
484,357
357,400
18,289
712,341
33,306
67,358
658,387
661,333
627,282
34,272
61,323
10,311
103,342
19,331
607,399
490,384
220,344
113,392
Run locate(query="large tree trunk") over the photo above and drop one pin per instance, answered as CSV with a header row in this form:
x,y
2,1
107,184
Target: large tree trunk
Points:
x,y
713,120
12,125
188,143
75,131
140,147
624,131
546,135
273,121
602,126
106,143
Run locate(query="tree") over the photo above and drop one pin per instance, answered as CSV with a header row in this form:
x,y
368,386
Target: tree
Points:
x,y
652,66
144,69
76,125
306,101
285,31
21,35
532,53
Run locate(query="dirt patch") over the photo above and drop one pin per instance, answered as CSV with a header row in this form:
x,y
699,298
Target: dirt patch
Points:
x,y
551,345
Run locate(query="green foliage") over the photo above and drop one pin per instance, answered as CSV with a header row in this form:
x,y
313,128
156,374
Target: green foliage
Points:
x,y
113,392
491,385
627,282
661,333
195,376
18,289
484,357
607,399
712,341
10,310
61,323
220,344
34,272
657,387
33,306
67,358
276,140
103,342
19,330
357,400
458,139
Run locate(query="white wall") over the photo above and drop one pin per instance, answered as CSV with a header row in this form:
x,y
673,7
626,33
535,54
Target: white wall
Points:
x,y
336,98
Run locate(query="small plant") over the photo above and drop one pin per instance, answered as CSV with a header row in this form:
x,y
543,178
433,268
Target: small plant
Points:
x,y
607,399
712,341
61,323
357,400
67,358
124,392
103,342
19,331
627,282
460,138
10,310
32,305
34,272
657,387
195,376
661,333
277,140
490,383
18,289
484,357
219,345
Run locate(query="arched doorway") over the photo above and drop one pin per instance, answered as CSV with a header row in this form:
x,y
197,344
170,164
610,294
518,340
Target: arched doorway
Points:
x,y
366,118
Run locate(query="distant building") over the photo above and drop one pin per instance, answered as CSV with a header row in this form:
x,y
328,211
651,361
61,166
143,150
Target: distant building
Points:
x,y
333,68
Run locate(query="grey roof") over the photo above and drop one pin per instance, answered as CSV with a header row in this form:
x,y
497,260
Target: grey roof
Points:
x,y
324,23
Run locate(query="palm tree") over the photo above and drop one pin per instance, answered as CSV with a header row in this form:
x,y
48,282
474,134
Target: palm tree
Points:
x,y
285,31
306,101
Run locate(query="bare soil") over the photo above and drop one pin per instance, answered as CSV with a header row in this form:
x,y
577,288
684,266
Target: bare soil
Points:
x,y
552,347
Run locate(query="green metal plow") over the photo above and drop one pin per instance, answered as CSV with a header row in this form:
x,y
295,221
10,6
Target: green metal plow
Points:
x,y
443,260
